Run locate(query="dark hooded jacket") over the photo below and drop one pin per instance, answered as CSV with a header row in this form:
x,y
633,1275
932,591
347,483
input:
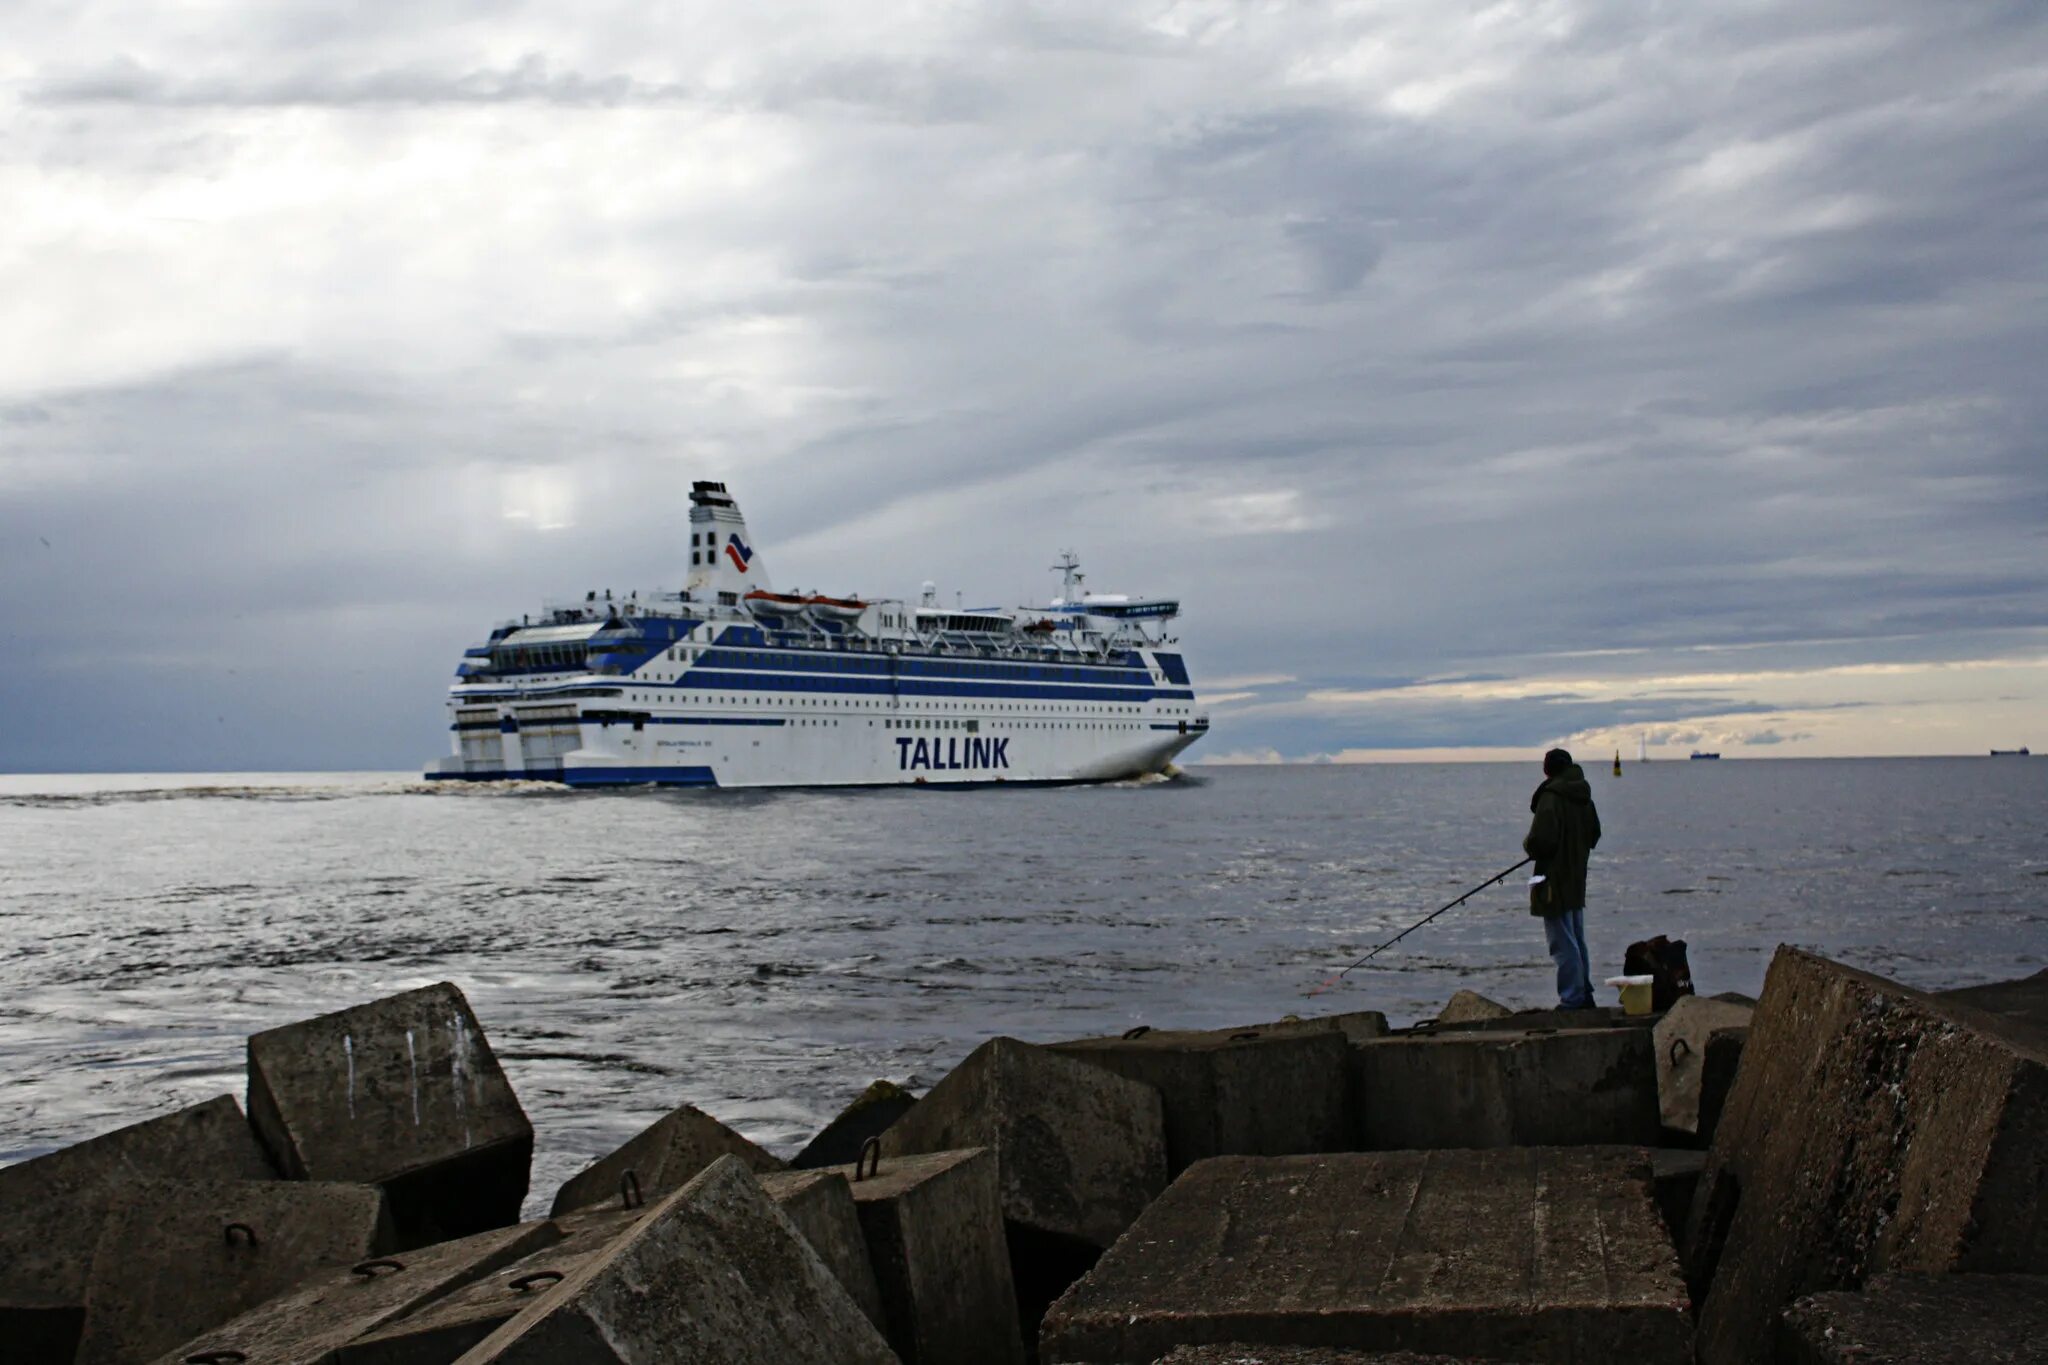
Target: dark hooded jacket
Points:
x,y
1564,832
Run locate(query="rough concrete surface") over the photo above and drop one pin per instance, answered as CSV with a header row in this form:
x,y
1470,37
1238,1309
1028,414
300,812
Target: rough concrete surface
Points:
x,y
54,1205
1483,1089
1355,1025
1722,1060
1238,1353
442,1330
933,1225
1872,1128
2023,1000
176,1257
1535,1254
821,1205
1465,1007
838,1143
1549,1020
1682,1051
663,1156
323,1313
1674,1180
1079,1150
403,1092
714,1274
1236,1092
1921,1320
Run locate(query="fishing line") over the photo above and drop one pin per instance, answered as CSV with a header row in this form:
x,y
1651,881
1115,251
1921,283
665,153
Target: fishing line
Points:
x,y
1496,878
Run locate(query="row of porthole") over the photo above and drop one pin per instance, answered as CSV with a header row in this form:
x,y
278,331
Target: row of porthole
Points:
x,y
716,699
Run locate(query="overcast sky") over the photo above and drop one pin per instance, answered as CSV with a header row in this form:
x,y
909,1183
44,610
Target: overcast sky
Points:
x,y
1479,375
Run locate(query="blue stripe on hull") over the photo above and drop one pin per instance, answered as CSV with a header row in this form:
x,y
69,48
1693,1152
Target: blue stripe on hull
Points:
x,y
718,680
591,777
704,777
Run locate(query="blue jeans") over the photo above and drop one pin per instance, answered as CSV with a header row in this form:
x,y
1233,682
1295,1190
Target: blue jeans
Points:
x,y
1566,936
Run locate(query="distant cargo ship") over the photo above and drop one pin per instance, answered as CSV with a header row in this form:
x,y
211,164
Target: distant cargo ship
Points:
x,y
1706,755
2020,752
730,683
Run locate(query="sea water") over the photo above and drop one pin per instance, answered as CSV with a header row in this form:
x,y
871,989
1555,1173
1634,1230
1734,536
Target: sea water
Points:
x,y
765,955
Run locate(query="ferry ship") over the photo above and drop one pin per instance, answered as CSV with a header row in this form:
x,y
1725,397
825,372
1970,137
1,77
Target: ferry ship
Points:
x,y
730,683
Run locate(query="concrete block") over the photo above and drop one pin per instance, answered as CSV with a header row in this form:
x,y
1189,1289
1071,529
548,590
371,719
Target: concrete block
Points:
x,y
1535,1254
1674,1180
839,1142
1355,1025
1505,1089
1243,1353
664,1156
1238,1092
1682,1051
2023,1000
1466,1007
1871,1128
821,1205
934,1230
442,1330
177,1257
1540,1021
1079,1151
1921,1320
319,1316
1722,1060
714,1274
54,1205
405,1093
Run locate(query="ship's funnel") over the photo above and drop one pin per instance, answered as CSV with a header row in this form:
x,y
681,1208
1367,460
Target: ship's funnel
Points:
x,y
722,555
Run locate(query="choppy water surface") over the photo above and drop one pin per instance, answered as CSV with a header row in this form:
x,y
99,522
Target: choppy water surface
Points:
x,y
766,955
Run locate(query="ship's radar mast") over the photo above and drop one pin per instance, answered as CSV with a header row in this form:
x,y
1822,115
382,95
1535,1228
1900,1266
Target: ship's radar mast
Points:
x,y
1071,577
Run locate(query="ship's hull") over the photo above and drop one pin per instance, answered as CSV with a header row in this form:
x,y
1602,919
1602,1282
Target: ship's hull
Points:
x,y
721,753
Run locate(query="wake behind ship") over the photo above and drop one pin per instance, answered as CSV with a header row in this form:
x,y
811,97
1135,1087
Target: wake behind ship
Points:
x,y
729,683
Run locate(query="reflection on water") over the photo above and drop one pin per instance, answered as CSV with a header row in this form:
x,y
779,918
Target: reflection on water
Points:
x,y
765,955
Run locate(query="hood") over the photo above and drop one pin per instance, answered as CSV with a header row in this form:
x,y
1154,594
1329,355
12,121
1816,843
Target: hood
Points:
x,y
1571,784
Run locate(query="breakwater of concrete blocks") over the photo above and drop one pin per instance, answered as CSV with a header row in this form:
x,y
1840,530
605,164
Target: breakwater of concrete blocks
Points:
x,y
1845,1169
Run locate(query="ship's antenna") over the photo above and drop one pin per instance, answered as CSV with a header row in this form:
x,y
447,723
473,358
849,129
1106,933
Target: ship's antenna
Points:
x,y
1069,569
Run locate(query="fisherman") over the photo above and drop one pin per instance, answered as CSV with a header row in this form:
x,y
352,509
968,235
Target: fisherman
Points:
x,y
1565,830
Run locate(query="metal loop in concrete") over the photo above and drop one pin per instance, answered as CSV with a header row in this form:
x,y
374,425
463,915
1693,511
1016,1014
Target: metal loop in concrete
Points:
x,y
870,1159
538,1277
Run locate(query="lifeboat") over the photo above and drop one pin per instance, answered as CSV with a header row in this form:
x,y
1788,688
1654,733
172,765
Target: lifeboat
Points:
x,y
837,608
773,603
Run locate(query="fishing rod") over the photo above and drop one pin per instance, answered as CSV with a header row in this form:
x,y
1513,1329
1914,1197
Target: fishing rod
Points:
x,y
1495,879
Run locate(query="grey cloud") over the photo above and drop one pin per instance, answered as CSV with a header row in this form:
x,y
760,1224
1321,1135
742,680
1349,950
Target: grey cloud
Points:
x,y
916,92
1506,724
126,81
1767,737
1053,277
1337,254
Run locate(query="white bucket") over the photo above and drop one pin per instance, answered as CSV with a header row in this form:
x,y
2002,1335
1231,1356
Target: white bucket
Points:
x,y
1635,992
